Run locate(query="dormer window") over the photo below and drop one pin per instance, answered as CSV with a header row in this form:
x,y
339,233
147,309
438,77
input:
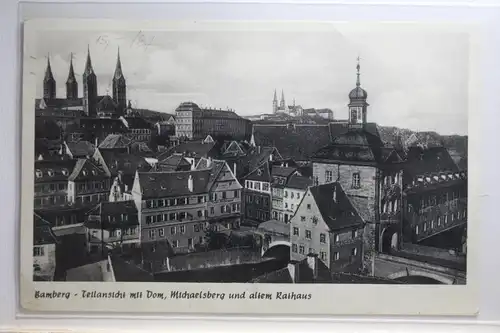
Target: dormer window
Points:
x,y
94,172
50,173
64,172
259,172
38,174
84,172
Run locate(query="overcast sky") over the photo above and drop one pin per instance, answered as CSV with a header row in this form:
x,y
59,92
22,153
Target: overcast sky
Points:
x,y
415,80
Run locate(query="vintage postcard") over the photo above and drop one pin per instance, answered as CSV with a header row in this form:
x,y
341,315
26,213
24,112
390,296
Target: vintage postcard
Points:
x,y
278,168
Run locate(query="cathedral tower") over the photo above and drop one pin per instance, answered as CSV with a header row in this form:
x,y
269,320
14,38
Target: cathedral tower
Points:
x,y
119,87
49,83
357,103
89,88
275,102
282,102
71,83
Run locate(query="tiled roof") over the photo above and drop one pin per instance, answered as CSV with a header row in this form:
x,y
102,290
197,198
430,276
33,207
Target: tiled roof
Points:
x,y
138,123
362,207
42,231
114,141
87,169
53,170
90,272
299,182
422,161
105,209
167,184
128,164
282,171
106,103
81,148
125,271
260,173
173,162
337,214
275,226
60,103
298,142
195,149
353,146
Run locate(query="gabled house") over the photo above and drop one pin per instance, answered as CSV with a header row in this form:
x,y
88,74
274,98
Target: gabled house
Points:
x,y
79,149
327,224
88,183
112,225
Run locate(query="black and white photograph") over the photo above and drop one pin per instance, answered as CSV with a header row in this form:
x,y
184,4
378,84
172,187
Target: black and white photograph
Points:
x,y
249,156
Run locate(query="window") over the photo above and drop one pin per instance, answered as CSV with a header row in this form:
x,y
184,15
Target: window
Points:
x,y
183,229
416,229
161,232
236,194
286,194
425,226
301,249
286,204
223,195
309,206
328,176
50,173
354,251
200,199
295,231
336,256
291,195
175,243
38,251
308,234
336,238
356,180
265,187
298,195
322,238
152,234
294,248
172,230
302,219
212,210
292,206
323,255
190,242
354,234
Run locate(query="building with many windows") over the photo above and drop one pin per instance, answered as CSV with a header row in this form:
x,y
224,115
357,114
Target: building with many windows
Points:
x,y
294,191
112,225
327,224
51,182
194,122
88,183
176,208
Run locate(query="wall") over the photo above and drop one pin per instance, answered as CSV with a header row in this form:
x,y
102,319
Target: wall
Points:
x,y
215,258
47,262
348,240
291,199
344,174
316,230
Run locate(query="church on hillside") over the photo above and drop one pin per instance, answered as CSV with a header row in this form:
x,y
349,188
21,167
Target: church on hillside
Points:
x,y
91,104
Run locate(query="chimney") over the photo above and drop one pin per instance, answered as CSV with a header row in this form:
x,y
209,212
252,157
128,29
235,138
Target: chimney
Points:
x,y
334,192
190,183
293,269
312,262
234,169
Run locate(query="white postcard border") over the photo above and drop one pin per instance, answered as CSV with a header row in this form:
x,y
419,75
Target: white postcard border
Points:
x,y
338,299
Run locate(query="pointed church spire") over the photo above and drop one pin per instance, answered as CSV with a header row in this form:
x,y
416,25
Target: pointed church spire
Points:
x,y
282,96
48,70
275,97
357,74
88,63
49,83
71,83
118,68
